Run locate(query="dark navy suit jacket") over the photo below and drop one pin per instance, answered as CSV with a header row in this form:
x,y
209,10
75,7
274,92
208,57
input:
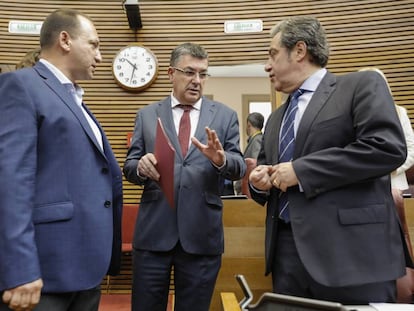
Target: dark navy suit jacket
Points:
x,y
60,194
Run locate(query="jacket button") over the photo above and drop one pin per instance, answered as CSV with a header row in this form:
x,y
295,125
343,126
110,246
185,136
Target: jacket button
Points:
x,y
107,204
105,170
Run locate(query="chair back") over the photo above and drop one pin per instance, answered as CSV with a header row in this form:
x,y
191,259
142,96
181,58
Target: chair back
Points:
x,y
251,164
129,216
405,284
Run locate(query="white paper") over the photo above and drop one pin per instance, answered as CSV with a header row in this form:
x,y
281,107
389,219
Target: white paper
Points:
x,y
392,306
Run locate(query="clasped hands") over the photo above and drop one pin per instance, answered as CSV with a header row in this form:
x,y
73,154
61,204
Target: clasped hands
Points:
x,y
280,176
213,150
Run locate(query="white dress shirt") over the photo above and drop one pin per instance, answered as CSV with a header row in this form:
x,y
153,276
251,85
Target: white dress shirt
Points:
x,y
77,93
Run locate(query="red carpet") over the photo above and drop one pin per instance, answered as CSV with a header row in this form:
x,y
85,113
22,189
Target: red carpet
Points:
x,y
115,302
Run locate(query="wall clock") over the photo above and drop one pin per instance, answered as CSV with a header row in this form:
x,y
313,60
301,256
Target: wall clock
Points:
x,y
135,67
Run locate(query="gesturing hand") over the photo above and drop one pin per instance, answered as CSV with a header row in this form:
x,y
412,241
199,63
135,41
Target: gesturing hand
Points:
x,y
213,150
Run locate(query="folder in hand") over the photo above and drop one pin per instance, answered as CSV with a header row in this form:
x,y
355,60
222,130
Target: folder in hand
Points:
x,y
165,154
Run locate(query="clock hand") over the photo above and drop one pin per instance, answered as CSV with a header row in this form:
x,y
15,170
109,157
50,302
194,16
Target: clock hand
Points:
x,y
132,74
133,65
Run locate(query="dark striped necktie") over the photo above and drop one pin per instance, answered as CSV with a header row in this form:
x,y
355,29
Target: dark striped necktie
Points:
x,y
287,146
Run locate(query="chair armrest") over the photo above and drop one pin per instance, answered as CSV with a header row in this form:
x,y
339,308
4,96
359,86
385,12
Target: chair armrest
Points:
x,y
229,302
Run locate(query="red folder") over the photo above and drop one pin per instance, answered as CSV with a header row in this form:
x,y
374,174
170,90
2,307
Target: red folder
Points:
x,y
165,154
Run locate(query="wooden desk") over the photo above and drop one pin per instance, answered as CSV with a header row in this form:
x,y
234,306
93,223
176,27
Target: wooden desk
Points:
x,y
409,216
244,232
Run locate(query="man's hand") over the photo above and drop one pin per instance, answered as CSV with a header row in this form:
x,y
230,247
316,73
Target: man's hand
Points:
x,y
283,176
24,297
213,150
146,167
259,178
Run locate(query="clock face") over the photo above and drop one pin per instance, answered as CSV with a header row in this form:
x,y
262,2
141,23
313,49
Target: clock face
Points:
x,y
135,67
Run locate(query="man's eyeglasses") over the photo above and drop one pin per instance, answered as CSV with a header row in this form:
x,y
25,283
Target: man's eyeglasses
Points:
x,y
192,74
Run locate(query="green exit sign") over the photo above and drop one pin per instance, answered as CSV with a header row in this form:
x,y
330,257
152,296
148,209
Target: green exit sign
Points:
x,y
25,27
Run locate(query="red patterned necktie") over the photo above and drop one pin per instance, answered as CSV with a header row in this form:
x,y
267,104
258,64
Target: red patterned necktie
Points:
x,y
184,129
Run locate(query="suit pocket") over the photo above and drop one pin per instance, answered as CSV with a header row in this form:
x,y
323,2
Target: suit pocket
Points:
x,y
213,200
53,212
151,195
366,215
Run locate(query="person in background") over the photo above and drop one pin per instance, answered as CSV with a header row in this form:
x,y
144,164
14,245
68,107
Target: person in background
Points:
x,y
254,125
29,59
398,179
332,232
186,237
60,184
399,184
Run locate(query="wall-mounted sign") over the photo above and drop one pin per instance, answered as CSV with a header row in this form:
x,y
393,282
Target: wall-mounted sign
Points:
x,y
242,26
25,27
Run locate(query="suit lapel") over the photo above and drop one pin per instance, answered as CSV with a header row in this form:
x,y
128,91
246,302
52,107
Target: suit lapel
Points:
x,y
318,100
164,112
273,132
55,86
89,131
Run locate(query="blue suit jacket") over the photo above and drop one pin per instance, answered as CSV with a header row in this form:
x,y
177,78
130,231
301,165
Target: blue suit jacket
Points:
x,y
196,219
344,221
60,194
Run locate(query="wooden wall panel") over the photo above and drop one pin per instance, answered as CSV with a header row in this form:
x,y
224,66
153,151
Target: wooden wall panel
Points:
x,y
362,33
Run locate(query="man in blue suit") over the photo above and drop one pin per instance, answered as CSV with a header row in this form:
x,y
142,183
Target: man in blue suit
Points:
x,y
188,235
332,230
60,184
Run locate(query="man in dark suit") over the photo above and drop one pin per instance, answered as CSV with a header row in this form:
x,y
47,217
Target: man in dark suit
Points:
x,y
331,230
60,184
189,235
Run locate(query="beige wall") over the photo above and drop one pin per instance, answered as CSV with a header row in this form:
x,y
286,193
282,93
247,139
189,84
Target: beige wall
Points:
x,y
230,91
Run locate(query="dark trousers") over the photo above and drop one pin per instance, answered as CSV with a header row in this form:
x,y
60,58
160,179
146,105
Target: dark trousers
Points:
x,y
87,300
291,278
194,280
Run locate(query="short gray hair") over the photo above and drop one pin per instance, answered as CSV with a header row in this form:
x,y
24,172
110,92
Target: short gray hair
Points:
x,y
187,48
307,29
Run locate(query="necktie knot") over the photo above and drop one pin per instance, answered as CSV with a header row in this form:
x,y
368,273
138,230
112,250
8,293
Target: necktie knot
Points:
x,y
185,107
296,94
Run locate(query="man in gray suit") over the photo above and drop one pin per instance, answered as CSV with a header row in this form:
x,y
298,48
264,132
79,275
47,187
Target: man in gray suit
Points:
x,y
332,231
187,236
